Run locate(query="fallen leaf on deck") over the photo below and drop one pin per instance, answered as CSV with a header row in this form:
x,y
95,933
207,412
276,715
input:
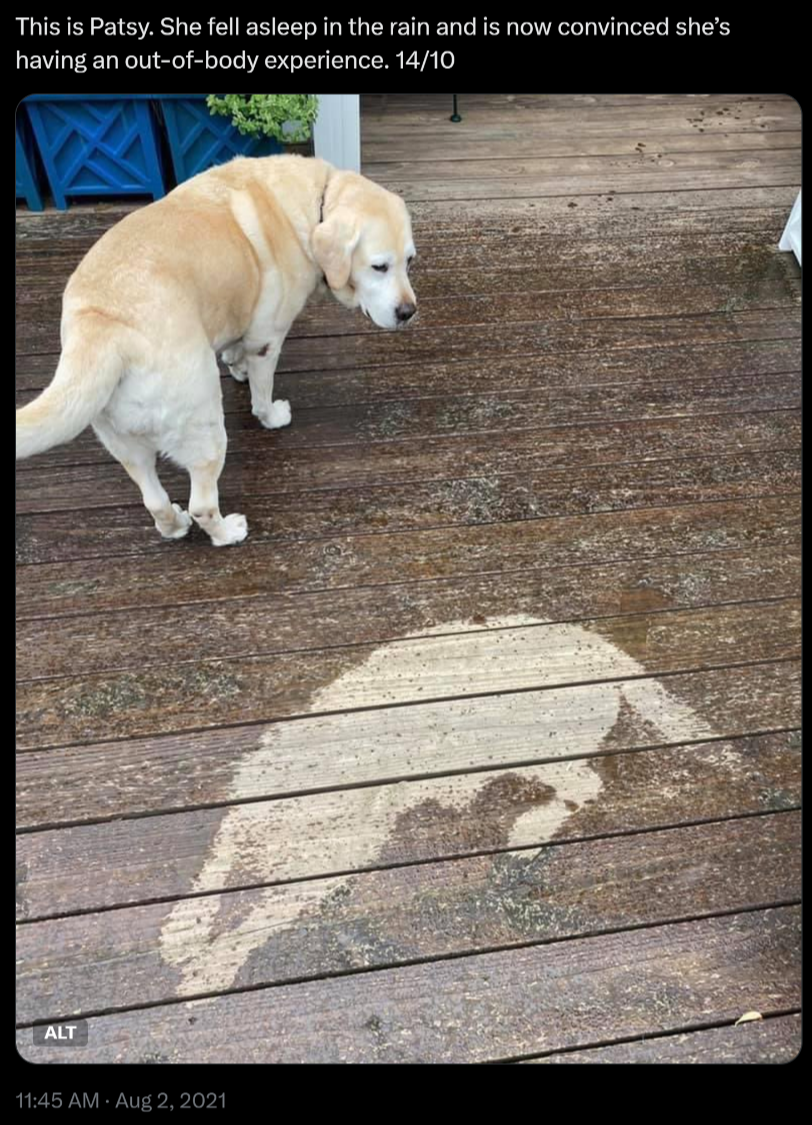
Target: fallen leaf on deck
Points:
x,y
749,1017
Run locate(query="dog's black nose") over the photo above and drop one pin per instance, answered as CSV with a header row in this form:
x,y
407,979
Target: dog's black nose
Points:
x,y
405,312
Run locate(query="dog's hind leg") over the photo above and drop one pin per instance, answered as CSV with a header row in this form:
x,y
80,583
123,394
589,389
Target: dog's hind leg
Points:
x,y
204,503
138,459
202,452
197,443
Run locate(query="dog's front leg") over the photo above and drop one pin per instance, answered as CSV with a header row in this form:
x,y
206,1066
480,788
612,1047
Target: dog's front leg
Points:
x,y
261,371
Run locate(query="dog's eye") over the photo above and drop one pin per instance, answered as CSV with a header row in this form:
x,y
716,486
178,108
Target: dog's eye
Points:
x,y
382,268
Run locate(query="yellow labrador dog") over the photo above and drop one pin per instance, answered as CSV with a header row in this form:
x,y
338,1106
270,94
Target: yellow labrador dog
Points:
x,y
225,263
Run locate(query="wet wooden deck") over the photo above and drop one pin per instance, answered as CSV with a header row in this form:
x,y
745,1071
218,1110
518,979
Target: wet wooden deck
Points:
x,y
485,746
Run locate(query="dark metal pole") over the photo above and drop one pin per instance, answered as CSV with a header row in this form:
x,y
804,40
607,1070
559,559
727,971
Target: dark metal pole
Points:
x,y
455,117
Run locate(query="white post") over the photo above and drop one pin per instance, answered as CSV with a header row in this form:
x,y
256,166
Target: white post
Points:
x,y
791,239
337,131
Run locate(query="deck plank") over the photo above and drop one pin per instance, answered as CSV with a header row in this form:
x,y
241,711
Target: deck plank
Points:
x,y
472,414
755,170
369,349
685,118
696,211
565,375
399,460
51,535
775,1041
184,577
48,536
618,283
604,335
389,103
95,866
129,957
548,168
469,148
284,620
495,1006
49,246
143,700
246,763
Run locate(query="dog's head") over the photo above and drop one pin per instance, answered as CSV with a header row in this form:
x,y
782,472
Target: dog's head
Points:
x,y
364,247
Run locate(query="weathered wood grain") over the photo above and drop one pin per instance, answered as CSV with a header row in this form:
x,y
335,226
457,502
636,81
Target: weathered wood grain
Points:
x,y
515,375
276,467
776,1041
146,699
547,111
609,216
740,238
72,233
427,418
743,244
757,216
742,264
49,536
662,276
346,616
399,103
495,1006
731,172
624,283
91,867
378,349
393,149
691,265
744,115
639,165
137,776
197,574
53,535
126,958
523,255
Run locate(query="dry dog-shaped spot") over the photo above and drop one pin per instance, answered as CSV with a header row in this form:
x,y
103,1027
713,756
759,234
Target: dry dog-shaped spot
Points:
x,y
212,940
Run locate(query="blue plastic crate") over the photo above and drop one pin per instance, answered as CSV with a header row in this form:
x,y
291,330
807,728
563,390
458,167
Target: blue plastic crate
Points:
x,y
25,166
97,145
198,140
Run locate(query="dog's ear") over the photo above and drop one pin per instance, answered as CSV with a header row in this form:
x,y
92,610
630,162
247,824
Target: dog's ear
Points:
x,y
334,243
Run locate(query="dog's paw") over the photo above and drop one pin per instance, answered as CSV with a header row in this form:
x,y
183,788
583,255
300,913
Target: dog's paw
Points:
x,y
236,361
239,371
278,416
233,529
180,526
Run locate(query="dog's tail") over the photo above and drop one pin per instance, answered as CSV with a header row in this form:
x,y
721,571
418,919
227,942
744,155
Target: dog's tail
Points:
x,y
89,371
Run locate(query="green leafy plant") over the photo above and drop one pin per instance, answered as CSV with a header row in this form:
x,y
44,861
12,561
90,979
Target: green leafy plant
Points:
x,y
286,117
